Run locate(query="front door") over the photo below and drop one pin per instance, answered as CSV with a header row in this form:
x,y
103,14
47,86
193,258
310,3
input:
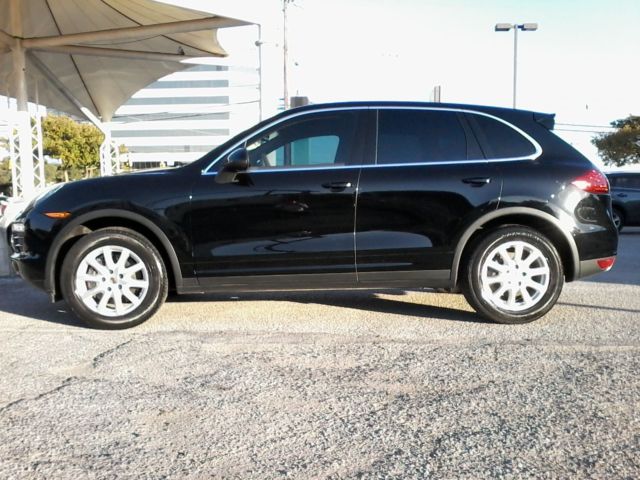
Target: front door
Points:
x,y
291,212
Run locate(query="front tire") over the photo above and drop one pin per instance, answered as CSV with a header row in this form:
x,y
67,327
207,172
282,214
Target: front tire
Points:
x,y
514,275
114,278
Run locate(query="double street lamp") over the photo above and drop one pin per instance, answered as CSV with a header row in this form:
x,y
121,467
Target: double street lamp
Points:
x,y
525,27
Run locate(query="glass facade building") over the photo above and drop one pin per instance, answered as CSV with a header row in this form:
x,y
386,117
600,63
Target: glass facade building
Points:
x,y
182,116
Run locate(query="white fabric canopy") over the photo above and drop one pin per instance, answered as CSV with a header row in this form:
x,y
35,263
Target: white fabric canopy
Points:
x,y
66,73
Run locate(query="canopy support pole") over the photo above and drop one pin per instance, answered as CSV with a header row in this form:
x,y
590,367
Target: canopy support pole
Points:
x,y
109,154
24,183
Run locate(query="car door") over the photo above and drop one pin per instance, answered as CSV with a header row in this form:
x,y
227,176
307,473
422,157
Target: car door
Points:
x,y
291,213
430,179
628,194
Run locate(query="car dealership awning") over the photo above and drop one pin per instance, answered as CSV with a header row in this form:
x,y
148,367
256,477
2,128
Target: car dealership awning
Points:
x,y
87,57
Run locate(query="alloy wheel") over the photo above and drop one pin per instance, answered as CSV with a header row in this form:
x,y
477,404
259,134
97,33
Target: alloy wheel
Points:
x,y
111,281
514,276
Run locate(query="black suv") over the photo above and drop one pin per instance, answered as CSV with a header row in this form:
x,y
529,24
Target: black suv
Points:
x,y
625,194
353,195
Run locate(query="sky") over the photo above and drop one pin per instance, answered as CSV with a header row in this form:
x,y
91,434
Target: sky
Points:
x,y
583,62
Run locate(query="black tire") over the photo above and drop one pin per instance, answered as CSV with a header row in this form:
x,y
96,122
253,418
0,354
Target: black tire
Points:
x,y
490,304
140,252
618,219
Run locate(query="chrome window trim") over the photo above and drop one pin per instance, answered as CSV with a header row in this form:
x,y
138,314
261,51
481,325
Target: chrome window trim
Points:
x,y
533,156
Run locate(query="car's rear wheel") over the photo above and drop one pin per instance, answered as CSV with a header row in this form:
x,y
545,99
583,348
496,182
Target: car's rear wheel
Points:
x,y
618,219
514,275
114,278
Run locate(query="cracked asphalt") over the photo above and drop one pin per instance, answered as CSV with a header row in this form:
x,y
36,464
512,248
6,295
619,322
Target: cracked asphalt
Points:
x,y
375,384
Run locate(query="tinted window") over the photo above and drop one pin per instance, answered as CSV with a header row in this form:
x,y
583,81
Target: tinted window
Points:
x,y
500,140
318,140
417,136
626,181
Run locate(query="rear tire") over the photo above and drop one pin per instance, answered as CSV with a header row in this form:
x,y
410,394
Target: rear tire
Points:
x,y
514,275
114,278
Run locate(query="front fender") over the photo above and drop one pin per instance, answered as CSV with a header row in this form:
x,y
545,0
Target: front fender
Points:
x,y
76,227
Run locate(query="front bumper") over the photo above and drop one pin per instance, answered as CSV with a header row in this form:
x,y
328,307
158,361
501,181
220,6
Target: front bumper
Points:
x,y
30,266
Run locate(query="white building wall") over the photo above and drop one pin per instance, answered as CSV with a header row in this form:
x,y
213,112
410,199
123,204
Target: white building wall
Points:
x,y
186,114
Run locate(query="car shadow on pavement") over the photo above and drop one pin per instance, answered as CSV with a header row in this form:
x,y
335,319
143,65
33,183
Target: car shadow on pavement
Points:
x,y
18,298
368,300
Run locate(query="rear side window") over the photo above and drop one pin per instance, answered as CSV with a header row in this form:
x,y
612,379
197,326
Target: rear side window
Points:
x,y
499,140
419,136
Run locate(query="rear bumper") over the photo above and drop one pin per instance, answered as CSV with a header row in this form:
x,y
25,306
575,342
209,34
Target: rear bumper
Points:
x,y
596,265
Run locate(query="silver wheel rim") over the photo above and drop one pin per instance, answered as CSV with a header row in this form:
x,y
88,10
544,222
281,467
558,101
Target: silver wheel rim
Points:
x,y
616,220
514,276
111,281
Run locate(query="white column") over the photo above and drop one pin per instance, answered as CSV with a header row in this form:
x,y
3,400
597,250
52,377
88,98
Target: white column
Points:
x,y
25,185
106,166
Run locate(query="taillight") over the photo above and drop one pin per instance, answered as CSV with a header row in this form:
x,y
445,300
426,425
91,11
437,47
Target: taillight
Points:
x,y
594,181
606,263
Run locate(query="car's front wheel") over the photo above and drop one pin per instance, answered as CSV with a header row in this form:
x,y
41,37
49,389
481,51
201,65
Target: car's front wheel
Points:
x,y
514,275
114,278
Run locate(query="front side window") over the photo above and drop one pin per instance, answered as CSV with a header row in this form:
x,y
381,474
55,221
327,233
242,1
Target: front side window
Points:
x,y
420,136
319,140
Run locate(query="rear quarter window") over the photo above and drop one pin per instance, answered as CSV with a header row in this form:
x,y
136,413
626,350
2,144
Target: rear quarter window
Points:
x,y
500,140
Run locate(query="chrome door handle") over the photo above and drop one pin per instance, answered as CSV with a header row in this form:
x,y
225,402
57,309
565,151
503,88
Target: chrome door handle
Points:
x,y
337,186
477,181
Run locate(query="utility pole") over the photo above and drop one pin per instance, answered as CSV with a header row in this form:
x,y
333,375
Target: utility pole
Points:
x,y
285,52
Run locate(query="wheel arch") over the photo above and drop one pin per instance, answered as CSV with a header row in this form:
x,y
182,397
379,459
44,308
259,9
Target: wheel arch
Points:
x,y
539,220
97,219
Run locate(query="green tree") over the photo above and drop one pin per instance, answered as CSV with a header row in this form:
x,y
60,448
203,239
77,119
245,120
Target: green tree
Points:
x,y
76,144
621,147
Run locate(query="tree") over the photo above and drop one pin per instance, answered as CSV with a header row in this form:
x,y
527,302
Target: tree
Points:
x,y
76,144
621,147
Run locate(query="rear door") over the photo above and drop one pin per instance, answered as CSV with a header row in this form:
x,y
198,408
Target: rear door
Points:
x,y
430,179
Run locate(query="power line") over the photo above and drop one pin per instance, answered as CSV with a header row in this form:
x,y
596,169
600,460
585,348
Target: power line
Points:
x,y
584,125
581,131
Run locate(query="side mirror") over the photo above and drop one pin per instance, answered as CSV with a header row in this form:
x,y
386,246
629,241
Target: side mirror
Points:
x,y
236,162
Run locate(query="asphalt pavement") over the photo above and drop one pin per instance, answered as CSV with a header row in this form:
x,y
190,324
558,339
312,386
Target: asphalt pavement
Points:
x,y
363,384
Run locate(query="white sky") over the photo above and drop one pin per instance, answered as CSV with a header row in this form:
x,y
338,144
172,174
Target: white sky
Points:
x,y
583,63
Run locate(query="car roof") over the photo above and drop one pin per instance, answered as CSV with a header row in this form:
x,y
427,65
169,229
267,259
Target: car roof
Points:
x,y
392,103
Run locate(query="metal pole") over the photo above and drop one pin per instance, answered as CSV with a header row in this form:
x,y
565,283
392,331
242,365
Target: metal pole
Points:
x,y
285,52
134,33
259,44
515,62
117,53
25,185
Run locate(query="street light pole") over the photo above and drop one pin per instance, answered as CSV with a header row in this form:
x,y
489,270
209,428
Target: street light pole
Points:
x,y
515,64
525,27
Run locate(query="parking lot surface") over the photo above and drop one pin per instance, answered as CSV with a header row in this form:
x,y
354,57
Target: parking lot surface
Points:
x,y
363,384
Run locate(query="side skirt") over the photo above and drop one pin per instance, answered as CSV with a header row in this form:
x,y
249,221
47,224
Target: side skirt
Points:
x,y
323,281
